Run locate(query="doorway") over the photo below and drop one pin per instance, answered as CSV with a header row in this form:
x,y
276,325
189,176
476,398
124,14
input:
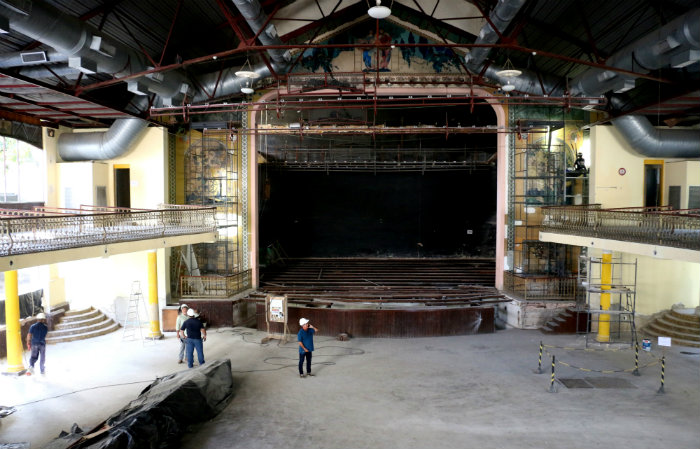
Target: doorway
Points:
x,y
122,186
653,183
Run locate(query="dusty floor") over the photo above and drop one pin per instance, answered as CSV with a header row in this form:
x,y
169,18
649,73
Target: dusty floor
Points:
x,y
449,392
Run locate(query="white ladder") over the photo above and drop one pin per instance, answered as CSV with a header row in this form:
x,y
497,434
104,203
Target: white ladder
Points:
x,y
132,318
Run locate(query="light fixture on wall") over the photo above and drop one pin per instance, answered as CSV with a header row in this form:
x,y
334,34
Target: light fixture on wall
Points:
x,y
508,72
379,11
249,76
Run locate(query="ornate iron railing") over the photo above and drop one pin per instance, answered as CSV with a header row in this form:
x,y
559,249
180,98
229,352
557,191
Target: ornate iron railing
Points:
x,y
541,287
50,229
214,286
655,225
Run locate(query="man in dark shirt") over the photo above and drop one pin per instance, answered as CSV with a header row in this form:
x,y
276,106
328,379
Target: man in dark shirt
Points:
x,y
195,334
305,337
36,342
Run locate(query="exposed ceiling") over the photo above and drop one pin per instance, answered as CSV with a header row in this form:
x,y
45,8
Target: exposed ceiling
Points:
x,y
201,43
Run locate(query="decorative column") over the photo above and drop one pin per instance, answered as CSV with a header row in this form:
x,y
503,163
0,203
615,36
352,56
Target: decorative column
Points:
x,y
13,331
153,309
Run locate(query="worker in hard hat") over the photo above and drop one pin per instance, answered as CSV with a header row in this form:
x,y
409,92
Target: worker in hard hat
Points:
x,y
306,345
36,342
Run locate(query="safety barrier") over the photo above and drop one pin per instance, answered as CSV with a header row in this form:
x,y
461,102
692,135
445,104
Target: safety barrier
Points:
x,y
634,371
212,286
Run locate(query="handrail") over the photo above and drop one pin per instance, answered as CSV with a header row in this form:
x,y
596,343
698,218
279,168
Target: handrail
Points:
x,y
49,231
674,228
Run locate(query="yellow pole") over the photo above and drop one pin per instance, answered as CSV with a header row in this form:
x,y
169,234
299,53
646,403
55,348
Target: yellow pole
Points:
x,y
153,295
13,331
605,284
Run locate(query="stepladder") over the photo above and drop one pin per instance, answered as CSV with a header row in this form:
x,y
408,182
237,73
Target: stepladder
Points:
x,y
132,318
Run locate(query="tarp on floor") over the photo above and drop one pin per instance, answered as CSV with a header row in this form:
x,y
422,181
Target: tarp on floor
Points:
x,y
164,410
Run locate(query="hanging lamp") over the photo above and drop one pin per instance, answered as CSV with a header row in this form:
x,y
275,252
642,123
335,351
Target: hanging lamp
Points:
x,y
379,11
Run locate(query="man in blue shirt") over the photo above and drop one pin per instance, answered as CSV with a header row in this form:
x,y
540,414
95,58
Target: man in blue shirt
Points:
x,y
194,333
306,346
36,342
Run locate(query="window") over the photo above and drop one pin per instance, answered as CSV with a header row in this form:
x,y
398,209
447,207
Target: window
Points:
x,y
23,172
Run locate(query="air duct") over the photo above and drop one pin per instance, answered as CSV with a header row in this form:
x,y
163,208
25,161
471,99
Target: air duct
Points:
x,y
99,146
676,44
501,16
256,18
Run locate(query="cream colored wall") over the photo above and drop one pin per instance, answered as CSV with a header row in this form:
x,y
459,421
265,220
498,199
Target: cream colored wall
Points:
x,y
684,174
609,153
660,283
106,283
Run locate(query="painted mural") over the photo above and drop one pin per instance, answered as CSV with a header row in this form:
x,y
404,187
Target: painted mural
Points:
x,y
368,58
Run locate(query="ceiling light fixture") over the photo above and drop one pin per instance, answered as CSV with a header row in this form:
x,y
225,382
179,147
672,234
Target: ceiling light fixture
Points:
x,y
379,11
249,75
508,72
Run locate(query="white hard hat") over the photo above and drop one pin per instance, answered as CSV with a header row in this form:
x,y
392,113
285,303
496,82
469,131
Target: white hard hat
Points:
x,y
303,321
190,312
41,316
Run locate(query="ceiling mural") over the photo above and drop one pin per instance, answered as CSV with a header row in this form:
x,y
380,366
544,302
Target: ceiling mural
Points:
x,y
420,57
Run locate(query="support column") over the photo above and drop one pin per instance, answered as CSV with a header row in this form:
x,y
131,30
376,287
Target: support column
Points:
x,y
153,309
605,284
13,331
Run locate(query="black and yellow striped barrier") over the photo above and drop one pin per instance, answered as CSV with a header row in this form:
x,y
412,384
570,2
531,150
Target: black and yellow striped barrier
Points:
x,y
663,368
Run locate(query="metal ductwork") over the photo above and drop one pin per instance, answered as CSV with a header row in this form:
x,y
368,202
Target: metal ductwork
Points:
x,y
101,145
256,18
30,58
677,44
501,16
650,141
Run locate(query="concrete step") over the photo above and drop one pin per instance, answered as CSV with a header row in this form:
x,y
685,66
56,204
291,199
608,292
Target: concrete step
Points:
x,y
666,331
76,324
690,319
674,340
672,318
80,315
664,322
85,333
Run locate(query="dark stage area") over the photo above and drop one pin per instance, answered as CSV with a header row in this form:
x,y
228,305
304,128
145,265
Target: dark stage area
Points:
x,y
396,214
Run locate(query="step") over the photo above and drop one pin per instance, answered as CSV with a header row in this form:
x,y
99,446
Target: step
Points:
x,y
87,334
664,322
689,317
674,341
57,334
670,332
81,315
673,318
82,323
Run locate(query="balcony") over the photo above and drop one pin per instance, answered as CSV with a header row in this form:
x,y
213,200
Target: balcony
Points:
x,y
49,235
652,231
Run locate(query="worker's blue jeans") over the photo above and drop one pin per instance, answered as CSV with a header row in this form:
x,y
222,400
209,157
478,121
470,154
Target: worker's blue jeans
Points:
x,y
302,356
190,345
38,352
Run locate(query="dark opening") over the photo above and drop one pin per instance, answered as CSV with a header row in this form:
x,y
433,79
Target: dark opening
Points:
x,y
122,187
652,185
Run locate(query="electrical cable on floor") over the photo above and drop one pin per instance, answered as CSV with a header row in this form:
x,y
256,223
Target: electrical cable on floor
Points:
x,y
81,390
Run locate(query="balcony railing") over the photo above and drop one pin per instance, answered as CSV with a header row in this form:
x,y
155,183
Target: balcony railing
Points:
x,y
212,286
50,229
650,225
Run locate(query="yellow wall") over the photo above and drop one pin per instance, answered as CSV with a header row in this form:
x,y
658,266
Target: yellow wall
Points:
x,y
660,283
105,283
684,174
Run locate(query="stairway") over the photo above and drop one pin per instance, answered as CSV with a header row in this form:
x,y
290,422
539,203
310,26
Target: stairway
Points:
x,y
683,326
567,322
81,324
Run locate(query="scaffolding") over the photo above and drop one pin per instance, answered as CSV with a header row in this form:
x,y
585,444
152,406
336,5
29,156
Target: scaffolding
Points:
x,y
212,168
622,290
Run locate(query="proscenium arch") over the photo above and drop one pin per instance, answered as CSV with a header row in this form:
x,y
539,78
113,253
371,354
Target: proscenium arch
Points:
x,y
501,175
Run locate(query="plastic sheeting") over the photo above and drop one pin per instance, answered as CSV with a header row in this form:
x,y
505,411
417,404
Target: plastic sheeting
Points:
x,y
164,410
29,305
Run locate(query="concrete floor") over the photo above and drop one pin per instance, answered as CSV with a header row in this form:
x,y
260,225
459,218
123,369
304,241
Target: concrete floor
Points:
x,y
452,392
